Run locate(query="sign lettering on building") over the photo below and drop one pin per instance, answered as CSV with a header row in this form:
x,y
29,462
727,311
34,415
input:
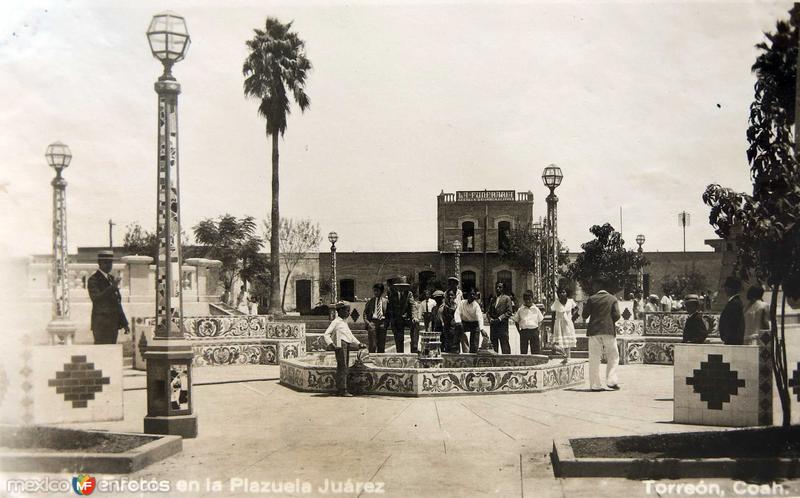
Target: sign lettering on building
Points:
x,y
485,195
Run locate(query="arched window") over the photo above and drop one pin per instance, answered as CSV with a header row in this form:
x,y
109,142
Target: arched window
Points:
x,y
347,289
468,281
503,235
505,277
468,236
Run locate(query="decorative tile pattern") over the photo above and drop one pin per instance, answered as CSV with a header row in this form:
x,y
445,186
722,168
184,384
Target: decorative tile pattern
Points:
x,y
722,385
630,327
664,323
317,373
179,387
79,381
715,382
794,380
230,340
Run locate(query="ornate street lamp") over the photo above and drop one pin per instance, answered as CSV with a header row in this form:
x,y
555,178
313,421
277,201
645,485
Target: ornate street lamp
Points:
x,y
640,240
684,220
457,250
552,176
332,238
60,328
538,230
170,408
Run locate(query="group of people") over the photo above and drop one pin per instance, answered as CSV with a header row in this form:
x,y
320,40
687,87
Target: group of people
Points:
x,y
738,324
668,302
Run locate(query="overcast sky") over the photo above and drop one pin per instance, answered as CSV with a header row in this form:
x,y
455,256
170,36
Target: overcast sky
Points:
x,y
642,106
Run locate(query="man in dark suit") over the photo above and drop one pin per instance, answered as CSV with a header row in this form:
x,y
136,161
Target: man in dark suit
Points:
x,y
602,311
731,321
107,313
375,320
400,313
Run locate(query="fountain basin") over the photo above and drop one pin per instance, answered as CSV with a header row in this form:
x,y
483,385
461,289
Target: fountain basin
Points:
x,y
402,375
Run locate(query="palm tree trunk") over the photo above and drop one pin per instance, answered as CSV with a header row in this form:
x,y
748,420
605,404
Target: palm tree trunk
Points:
x,y
274,243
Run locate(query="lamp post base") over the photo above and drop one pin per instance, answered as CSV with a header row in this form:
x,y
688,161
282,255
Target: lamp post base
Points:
x,y
173,425
61,331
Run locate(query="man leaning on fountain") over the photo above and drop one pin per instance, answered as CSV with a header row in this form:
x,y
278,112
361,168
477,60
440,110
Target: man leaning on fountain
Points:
x,y
339,335
107,313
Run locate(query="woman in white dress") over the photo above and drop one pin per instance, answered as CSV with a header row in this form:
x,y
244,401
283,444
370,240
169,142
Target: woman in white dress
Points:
x,y
564,310
243,301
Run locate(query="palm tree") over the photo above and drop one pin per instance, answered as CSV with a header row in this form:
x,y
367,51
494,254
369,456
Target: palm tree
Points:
x,y
275,66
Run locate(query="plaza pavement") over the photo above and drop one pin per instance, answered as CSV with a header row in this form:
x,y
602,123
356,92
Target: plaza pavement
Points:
x,y
251,427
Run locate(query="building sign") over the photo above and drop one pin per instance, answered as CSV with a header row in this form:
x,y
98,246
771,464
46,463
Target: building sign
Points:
x,y
485,195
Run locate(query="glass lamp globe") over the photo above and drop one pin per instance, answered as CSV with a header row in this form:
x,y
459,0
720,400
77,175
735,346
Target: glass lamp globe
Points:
x,y
552,176
168,37
58,156
333,237
640,239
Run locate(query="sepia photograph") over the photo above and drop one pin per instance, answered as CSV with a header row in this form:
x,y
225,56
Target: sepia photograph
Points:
x,y
428,248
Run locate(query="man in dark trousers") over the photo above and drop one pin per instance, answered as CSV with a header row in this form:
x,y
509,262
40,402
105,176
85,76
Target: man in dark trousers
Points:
x,y
500,309
375,320
400,313
602,311
731,321
107,313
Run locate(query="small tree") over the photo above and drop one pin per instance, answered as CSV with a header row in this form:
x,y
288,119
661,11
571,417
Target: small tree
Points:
x,y
139,241
233,242
524,245
605,257
690,281
297,239
766,224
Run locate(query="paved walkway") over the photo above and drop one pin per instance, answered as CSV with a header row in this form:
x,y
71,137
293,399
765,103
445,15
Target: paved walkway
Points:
x,y
455,446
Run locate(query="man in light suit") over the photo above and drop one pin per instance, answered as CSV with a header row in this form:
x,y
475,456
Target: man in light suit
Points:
x,y
731,321
107,313
602,311
375,320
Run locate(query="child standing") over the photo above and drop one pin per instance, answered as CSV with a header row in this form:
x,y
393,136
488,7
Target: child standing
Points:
x,y
527,318
564,309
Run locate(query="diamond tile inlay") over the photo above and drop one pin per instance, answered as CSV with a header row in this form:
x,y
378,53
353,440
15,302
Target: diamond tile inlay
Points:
x,y
79,381
715,382
794,381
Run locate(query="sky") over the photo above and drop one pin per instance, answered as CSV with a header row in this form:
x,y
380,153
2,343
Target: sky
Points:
x,y
642,105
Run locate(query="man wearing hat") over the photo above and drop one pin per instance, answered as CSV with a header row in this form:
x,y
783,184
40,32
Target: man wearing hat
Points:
x,y
375,320
339,335
107,313
400,313
694,330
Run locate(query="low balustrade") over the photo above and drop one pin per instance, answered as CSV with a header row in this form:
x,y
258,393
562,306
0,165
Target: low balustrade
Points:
x,y
229,340
652,339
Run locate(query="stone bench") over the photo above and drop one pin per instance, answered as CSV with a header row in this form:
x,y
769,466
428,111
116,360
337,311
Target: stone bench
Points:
x,y
229,340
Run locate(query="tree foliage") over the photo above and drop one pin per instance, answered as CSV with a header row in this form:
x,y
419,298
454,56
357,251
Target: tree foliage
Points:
x,y
765,224
275,68
297,239
690,281
606,258
139,241
525,245
234,242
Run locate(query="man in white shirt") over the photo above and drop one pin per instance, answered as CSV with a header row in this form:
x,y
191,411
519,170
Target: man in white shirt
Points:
x,y
339,335
469,318
666,303
426,307
528,318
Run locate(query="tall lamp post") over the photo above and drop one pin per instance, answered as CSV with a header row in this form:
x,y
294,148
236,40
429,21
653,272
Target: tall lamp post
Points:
x,y
538,230
170,408
332,238
684,219
60,328
552,176
457,250
640,240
